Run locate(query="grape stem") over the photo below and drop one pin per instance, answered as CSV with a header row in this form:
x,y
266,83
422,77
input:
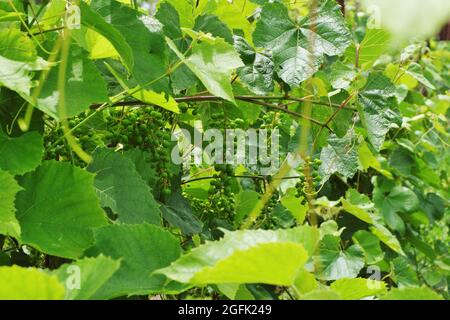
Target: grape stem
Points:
x,y
257,100
238,176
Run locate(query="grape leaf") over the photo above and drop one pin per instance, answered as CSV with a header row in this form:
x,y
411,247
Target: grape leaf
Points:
x,y
340,156
58,209
332,263
84,86
21,154
143,35
358,288
387,237
15,45
377,104
251,256
17,61
236,15
297,57
212,62
182,77
95,21
370,245
360,206
83,278
142,249
8,222
374,44
20,283
120,188
258,73
178,212
212,24
399,199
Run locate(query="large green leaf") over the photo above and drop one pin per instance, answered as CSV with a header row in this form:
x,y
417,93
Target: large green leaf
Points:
x,y
84,86
358,288
359,205
399,199
299,47
377,108
295,205
368,160
85,277
387,237
186,11
212,24
16,45
121,188
20,283
251,256
212,61
370,245
332,263
258,72
58,209
142,162
9,188
17,61
21,154
182,78
403,273
245,202
17,75
95,21
374,44
415,70
178,212
340,156
143,35
142,249
340,75
235,14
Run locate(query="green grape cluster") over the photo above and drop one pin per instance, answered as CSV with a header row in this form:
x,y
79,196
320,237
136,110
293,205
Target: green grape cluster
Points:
x,y
270,121
305,187
218,119
59,151
221,195
145,129
271,204
86,138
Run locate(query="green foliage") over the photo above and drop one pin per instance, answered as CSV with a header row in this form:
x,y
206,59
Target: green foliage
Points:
x,y
24,153
92,274
138,248
8,222
257,254
93,202
120,188
334,263
58,209
29,284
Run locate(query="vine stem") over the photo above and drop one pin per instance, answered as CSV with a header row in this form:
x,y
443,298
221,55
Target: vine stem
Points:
x,y
257,100
202,98
342,106
239,177
67,39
